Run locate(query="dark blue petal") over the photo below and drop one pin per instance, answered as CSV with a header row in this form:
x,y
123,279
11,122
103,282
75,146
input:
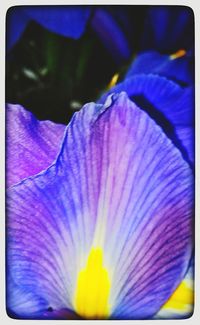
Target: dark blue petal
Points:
x,y
110,34
168,28
69,21
169,104
16,22
179,69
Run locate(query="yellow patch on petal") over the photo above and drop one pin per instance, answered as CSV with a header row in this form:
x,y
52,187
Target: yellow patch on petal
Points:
x,y
182,299
178,54
113,81
93,288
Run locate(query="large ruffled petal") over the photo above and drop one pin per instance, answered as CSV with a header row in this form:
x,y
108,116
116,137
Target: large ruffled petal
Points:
x,y
119,184
169,104
31,145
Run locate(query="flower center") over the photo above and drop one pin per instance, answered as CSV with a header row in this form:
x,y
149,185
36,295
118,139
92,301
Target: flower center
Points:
x,y
93,288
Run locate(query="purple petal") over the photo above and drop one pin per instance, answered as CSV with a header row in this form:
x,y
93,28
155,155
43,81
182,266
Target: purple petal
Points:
x,y
116,171
32,145
169,104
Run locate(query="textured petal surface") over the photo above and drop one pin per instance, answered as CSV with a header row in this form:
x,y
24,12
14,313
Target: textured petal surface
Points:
x,y
31,145
118,183
169,104
179,69
69,21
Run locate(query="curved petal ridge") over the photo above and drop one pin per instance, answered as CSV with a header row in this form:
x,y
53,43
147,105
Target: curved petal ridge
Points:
x,y
169,104
164,94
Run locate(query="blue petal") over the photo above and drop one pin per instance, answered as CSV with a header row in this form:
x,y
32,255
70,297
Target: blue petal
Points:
x,y
118,177
16,22
168,28
110,34
169,104
69,21
178,69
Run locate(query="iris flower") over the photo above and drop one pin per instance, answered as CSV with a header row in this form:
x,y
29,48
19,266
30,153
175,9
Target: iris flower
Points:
x,y
100,212
103,227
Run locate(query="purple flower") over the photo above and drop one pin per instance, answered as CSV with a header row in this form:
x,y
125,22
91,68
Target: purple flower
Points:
x,y
104,230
